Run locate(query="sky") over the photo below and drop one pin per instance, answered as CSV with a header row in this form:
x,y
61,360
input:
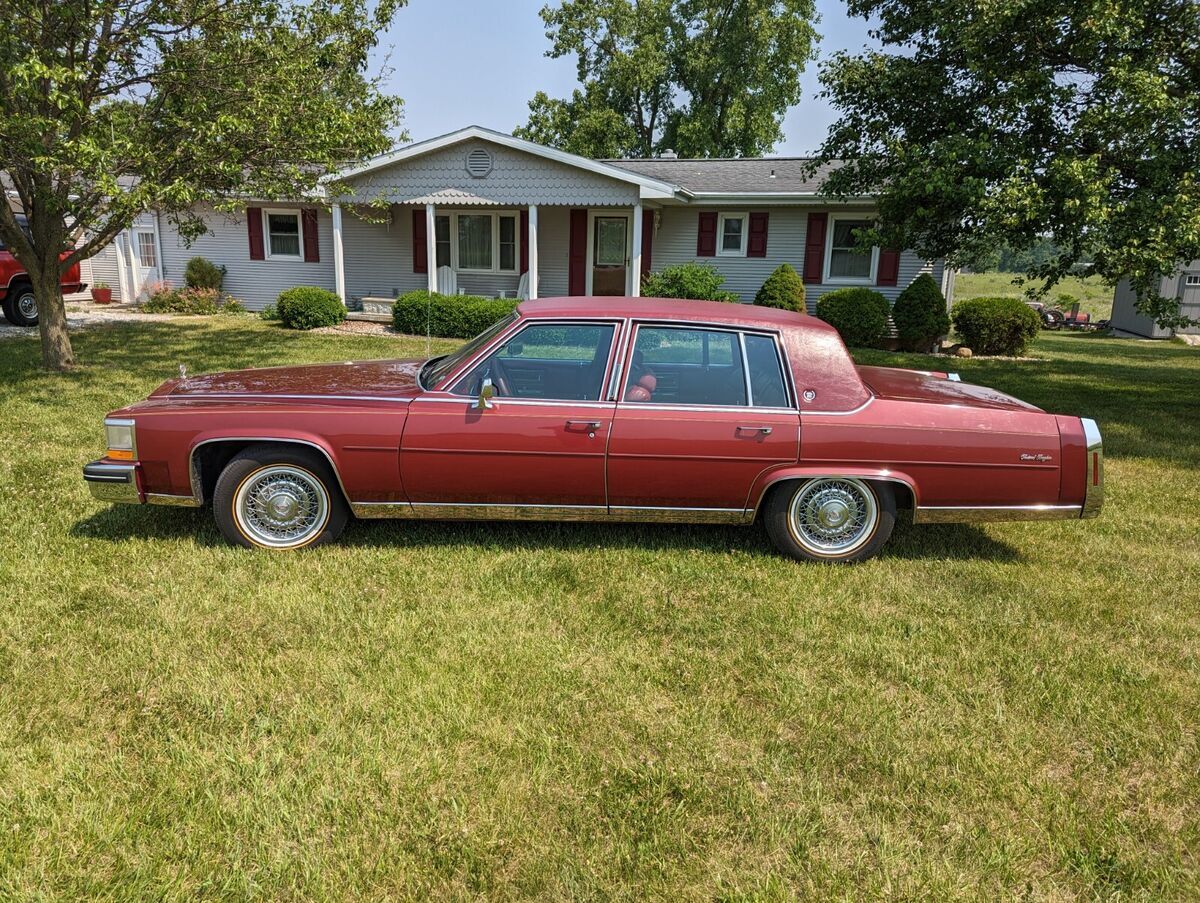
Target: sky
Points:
x,y
478,62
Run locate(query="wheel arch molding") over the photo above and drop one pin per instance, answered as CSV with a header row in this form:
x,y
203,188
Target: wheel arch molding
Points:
x,y
208,456
871,474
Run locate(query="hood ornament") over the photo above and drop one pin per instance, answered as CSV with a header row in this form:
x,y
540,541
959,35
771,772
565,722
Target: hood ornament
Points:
x,y
182,371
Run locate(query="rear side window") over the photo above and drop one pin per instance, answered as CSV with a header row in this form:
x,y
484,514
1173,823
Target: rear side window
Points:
x,y
686,366
767,388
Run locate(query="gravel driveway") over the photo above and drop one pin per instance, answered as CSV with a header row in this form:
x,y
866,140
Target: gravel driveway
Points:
x,y
81,315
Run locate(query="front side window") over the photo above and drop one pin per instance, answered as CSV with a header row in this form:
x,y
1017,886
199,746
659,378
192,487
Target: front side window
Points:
x,y
845,261
283,234
732,230
559,362
672,365
436,369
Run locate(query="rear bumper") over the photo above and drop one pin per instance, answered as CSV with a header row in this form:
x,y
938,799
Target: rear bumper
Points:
x,y
111,482
1093,494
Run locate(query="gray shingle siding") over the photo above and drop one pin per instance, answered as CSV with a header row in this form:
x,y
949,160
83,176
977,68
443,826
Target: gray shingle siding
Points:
x,y
675,243
255,282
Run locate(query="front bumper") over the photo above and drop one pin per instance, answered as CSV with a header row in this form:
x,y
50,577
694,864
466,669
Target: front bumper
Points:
x,y
112,482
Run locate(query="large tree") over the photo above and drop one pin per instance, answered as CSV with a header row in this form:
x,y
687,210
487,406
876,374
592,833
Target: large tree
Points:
x,y
984,123
703,77
112,107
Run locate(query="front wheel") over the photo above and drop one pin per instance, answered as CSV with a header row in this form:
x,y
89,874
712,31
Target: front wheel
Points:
x,y
830,519
279,497
20,306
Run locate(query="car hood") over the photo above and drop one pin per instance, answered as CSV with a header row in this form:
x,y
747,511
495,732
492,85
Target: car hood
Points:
x,y
916,385
352,379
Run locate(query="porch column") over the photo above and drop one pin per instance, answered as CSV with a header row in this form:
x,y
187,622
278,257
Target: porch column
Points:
x,y
431,248
533,253
635,259
339,261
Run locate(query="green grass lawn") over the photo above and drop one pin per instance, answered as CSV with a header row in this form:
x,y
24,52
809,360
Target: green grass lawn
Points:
x,y
1093,294
595,712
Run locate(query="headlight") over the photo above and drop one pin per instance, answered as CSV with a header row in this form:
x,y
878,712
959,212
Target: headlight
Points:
x,y
120,438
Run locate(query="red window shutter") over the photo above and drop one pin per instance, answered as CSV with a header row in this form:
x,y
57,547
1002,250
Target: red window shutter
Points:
x,y
889,267
254,229
524,241
647,239
706,235
312,249
420,255
814,247
577,254
757,245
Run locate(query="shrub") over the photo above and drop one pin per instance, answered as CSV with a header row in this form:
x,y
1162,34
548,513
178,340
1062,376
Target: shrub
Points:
x,y
308,307
270,312
448,316
203,273
996,325
920,314
233,307
193,301
695,281
858,314
783,289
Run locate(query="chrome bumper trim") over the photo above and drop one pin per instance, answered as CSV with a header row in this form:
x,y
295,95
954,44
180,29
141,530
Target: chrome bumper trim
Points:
x,y
113,482
176,501
1093,494
963,514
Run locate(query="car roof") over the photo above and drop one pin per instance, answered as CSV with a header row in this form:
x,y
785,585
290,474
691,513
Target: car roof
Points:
x,y
672,309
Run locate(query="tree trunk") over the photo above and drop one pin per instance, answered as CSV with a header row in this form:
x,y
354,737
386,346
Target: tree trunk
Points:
x,y
52,321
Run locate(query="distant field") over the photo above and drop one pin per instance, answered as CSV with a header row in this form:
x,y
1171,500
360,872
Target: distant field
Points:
x,y
1094,296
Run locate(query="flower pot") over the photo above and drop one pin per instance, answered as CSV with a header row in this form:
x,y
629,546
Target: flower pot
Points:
x,y
102,295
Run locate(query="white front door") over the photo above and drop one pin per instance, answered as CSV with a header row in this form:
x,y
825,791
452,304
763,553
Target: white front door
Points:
x,y
145,249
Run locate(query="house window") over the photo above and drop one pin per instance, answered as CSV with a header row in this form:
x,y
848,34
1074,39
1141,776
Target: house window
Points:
x,y
843,262
1192,280
731,229
283,233
485,242
147,253
441,230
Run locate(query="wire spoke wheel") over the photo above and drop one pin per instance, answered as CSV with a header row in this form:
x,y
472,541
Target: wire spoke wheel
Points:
x,y
282,506
832,517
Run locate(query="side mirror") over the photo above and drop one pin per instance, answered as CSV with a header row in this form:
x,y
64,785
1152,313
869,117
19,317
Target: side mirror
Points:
x,y
486,393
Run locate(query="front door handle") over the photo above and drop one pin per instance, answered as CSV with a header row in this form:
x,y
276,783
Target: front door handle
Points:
x,y
761,430
584,424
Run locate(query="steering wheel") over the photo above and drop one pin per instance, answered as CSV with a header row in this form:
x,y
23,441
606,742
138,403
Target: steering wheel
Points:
x,y
500,378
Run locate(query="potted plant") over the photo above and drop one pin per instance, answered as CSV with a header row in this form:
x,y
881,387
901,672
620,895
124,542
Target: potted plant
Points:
x,y
102,293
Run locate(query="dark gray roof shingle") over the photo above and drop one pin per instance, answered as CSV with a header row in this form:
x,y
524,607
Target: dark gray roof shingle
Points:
x,y
754,175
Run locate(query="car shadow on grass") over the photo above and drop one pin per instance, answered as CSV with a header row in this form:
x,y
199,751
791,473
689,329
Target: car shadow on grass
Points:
x,y
121,523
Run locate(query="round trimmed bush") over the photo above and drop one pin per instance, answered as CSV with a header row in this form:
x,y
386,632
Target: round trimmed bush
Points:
x,y
858,314
920,314
447,316
783,289
1004,326
688,281
203,273
307,307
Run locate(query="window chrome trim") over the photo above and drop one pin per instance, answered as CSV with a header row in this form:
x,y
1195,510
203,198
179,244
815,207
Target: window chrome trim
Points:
x,y
1093,490
863,406
746,369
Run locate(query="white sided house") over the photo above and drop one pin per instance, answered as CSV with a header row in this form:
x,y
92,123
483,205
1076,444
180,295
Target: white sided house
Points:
x,y
484,213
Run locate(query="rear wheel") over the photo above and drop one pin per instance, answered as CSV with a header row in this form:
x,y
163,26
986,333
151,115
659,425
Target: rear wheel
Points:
x,y
20,305
831,519
279,497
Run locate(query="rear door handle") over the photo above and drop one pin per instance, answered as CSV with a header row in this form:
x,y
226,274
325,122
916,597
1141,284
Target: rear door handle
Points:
x,y
763,430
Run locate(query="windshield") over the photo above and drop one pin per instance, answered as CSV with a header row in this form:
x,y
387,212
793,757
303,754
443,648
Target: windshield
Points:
x,y
434,370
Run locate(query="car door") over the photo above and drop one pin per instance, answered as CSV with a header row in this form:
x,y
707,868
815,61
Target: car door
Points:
x,y
703,412
539,441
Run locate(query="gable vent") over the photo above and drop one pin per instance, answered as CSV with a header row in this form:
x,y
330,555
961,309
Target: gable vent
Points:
x,y
479,162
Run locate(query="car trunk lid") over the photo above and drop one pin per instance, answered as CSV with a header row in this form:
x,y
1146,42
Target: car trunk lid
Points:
x,y
936,388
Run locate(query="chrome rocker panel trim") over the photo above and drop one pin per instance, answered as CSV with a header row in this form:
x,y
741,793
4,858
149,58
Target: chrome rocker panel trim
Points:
x,y
592,513
965,514
112,482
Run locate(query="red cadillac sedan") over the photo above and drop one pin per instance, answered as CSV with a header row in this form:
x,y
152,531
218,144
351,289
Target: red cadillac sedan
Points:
x,y
603,409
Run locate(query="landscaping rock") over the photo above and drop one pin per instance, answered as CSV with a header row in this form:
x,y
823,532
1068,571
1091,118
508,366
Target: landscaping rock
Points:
x,y
962,351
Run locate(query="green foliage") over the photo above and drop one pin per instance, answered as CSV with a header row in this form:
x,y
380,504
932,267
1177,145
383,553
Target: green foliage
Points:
x,y
1027,125
858,314
308,307
269,313
447,316
193,301
783,289
110,109
233,307
920,314
203,273
705,77
693,280
1004,326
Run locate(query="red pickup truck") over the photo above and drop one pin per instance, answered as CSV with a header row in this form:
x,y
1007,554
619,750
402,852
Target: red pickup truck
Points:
x,y
16,292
